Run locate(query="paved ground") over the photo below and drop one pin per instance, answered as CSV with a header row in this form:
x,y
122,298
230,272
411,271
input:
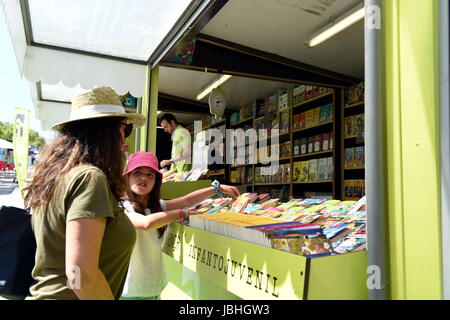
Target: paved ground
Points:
x,y
9,191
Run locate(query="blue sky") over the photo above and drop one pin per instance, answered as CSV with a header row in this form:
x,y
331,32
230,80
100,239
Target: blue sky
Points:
x,y
14,90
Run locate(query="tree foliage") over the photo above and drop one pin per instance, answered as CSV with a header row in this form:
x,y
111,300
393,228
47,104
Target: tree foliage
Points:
x,y
6,133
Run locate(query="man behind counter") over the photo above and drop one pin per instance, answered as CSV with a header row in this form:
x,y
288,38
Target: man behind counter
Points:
x,y
181,144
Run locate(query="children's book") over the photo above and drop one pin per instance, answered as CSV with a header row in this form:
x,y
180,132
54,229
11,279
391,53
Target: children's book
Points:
x,y
323,114
322,169
302,123
349,127
239,204
296,122
317,143
309,118
283,102
303,146
311,144
349,158
330,172
297,167
325,141
296,147
284,121
316,117
359,157
359,124
262,197
304,171
313,170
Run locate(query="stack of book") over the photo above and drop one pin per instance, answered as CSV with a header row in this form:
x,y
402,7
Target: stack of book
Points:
x,y
191,175
299,226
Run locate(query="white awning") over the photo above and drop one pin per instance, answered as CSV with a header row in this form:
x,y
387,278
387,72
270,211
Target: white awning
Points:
x,y
4,144
94,43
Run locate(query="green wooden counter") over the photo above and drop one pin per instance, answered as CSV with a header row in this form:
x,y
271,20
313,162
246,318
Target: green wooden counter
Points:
x,y
206,266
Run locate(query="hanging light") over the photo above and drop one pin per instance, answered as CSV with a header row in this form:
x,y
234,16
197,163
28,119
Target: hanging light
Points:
x,y
337,25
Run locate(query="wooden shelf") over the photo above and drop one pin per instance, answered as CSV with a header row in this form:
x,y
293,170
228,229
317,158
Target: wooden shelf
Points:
x,y
315,182
354,105
320,125
215,124
241,165
241,122
313,154
217,174
312,99
273,112
362,168
280,135
261,184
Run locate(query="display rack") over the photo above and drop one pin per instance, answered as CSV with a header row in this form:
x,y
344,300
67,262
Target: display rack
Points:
x,y
353,176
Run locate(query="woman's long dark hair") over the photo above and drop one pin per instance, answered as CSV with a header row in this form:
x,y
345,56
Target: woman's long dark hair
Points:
x,y
152,200
93,141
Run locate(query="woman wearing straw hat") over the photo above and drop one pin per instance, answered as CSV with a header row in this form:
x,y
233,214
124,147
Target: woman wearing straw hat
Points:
x,y
84,239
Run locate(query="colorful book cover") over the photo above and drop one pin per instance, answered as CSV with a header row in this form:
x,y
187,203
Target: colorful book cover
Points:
x,y
348,127
323,114
309,118
311,144
303,146
316,117
330,113
296,147
349,158
297,94
272,104
359,124
325,141
313,170
322,169
304,171
284,121
239,204
317,245
359,157
330,172
297,169
317,143
283,101
270,203
348,188
302,121
296,122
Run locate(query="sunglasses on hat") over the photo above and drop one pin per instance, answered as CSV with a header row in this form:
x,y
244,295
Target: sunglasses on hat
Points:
x,y
128,129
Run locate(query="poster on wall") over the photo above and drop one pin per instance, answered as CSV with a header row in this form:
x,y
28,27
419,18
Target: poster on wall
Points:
x,y
20,143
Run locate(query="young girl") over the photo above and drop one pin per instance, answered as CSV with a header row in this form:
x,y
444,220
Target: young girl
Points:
x,y
150,215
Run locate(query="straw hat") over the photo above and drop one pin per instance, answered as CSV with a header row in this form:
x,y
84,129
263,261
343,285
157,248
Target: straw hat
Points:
x,y
100,102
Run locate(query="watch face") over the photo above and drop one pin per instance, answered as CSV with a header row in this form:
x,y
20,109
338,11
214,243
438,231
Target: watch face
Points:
x,y
217,102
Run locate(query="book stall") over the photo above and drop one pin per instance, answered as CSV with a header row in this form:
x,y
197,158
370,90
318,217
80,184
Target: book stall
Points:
x,y
260,248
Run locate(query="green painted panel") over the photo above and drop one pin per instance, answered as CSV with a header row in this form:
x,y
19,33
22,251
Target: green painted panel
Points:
x,y
410,35
339,277
172,190
247,270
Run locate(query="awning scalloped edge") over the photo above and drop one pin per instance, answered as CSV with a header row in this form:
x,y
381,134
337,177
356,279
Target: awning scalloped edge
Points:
x,y
52,66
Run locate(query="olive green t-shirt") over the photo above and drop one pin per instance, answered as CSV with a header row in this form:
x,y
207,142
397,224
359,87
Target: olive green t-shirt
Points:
x,y
82,193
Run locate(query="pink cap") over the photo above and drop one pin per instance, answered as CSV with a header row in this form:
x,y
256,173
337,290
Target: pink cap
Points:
x,y
142,159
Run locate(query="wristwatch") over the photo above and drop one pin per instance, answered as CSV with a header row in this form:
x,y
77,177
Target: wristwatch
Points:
x,y
184,215
216,185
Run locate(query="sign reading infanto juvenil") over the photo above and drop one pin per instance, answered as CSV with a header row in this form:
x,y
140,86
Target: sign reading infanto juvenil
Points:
x,y
247,270
20,141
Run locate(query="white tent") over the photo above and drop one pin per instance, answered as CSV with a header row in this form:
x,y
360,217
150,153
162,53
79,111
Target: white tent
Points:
x,y
4,144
